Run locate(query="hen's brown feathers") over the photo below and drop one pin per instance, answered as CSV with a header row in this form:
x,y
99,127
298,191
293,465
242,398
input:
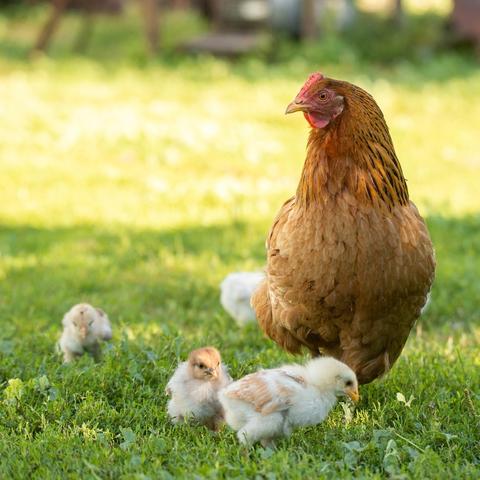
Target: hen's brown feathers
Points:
x,y
350,261
356,153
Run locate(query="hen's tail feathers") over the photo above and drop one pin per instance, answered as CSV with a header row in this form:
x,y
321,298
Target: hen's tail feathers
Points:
x,y
263,310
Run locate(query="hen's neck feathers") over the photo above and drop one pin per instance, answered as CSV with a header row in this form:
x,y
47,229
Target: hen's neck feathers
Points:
x,y
354,153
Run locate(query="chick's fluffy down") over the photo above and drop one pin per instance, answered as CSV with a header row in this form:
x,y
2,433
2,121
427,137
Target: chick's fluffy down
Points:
x,y
269,404
195,398
236,291
95,322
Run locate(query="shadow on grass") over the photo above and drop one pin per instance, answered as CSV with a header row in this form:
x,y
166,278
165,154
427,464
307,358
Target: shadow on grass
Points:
x,y
134,274
140,275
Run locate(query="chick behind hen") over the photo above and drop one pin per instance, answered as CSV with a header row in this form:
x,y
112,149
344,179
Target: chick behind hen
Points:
x,y
236,292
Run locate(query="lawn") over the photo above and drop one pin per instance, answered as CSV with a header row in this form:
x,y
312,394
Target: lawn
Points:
x,y
137,185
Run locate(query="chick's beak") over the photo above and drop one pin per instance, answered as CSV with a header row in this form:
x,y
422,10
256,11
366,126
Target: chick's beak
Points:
x,y
211,372
353,394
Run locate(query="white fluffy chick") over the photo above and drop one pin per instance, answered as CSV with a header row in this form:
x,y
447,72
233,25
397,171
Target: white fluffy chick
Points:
x,y
194,388
235,293
84,327
269,404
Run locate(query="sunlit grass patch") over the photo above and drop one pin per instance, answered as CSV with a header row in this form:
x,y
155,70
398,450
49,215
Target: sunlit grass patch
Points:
x,y
137,187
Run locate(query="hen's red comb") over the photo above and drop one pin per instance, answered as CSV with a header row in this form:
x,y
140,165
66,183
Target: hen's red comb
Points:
x,y
314,77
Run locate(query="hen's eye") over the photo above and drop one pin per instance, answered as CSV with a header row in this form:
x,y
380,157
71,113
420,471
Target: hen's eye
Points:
x,y
323,95
349,383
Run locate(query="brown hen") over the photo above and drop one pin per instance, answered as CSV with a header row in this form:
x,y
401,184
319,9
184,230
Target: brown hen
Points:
x,y
350,261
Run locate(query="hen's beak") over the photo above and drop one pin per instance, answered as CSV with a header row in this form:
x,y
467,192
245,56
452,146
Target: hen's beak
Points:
x,y
296,106
353,394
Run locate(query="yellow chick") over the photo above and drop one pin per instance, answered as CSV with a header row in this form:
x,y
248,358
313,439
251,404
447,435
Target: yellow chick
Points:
x,y
269,404
83,328
194,388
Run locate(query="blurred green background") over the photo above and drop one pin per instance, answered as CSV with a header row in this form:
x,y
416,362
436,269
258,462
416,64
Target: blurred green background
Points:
x,y
136,182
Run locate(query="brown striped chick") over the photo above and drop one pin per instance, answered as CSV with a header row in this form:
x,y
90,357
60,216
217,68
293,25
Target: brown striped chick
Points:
x,y
269,404
84,327
194,388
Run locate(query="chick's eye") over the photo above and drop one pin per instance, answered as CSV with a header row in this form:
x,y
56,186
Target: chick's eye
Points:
x,y
90,323
323,95
201,365
75,323
349,383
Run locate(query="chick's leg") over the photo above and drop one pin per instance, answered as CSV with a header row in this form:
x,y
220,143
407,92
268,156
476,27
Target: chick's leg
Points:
x,y
263,428
96,352
213,423
287,429
218,422
69,356
267,443
175,412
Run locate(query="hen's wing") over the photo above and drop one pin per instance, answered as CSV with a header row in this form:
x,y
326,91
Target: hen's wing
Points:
x,y
345,280
266,298
394,268
267,391
282,301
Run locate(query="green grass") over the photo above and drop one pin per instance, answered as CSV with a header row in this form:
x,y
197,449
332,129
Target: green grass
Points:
x,y
137,185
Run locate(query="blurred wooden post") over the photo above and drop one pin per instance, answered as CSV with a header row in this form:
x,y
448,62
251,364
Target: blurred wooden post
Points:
x,y
150,17
465,22
216,12
86,30
181,4
398,16
51,25
308,27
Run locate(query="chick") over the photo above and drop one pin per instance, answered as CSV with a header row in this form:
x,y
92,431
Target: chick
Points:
x,y
236,291
83,328
194,388
269,404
